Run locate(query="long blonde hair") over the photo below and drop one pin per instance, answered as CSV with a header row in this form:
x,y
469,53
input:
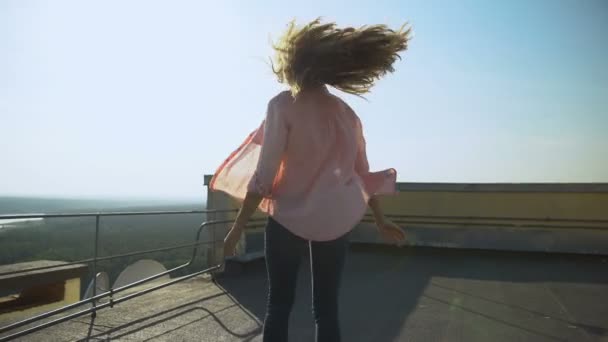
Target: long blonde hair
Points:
x,y
349,59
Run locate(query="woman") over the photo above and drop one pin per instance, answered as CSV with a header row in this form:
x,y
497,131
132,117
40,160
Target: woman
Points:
x,y
306,166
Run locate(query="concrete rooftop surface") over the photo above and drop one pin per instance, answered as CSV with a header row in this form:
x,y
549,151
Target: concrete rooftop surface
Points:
x,y
388,294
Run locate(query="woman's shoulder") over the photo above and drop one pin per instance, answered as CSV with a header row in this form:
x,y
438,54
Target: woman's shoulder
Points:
x,y
347,109
282,98
278,106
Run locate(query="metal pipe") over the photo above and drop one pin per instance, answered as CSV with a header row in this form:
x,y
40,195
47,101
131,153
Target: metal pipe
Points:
x,y
148,290
214,246
110,257
95,255
115,213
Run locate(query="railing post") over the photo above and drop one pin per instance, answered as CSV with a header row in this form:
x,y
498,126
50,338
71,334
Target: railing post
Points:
x,y
95,255
222,209
214,245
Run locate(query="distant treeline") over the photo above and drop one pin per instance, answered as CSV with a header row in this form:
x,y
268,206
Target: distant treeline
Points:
x,y
26,205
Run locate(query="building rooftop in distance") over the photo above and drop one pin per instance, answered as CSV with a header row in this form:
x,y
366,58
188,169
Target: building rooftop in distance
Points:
x,y
388,294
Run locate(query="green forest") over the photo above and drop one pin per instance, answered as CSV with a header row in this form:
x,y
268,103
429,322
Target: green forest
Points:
x,y
72,239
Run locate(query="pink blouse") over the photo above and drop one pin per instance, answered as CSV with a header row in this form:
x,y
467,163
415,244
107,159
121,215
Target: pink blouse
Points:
x,y
308,161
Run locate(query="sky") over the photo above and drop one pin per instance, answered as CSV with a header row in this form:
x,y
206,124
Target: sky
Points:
x,y
142,98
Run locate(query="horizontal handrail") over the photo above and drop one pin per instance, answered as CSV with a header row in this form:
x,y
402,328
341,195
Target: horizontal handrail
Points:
x,y
104,258
115,213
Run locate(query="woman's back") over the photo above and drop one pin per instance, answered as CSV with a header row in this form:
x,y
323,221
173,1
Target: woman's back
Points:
x,y
308,160
322,144
316,191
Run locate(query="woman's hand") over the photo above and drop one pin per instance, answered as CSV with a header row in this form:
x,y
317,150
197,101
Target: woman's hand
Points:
x,y
232,239
250,204
390,231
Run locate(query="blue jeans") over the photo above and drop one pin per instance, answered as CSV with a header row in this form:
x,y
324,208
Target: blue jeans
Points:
x,y
284,252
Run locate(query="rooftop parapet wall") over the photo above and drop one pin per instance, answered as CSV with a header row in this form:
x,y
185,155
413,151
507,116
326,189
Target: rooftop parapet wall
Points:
x,y
552,217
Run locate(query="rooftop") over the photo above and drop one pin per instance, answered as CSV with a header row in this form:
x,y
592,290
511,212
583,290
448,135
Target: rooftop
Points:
x,y
388,294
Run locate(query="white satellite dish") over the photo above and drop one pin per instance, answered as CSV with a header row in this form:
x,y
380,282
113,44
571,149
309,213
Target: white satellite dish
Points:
x,y
139,270
103,285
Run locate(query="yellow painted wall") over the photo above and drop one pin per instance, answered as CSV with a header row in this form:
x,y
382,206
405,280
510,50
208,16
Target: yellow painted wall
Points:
x,y
554,205
72,291
500,216
71,295
535,205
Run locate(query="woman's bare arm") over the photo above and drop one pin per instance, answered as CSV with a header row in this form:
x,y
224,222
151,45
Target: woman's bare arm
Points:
x,y
374,205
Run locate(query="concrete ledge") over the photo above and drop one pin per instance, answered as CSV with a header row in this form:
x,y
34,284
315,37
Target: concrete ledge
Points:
x,y
505,187
493,187
549,217
26,279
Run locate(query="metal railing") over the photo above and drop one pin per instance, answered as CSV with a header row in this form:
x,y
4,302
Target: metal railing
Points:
x,y
400,219
96,258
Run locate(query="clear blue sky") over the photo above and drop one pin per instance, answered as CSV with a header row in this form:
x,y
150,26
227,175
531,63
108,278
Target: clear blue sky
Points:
x,y
141,98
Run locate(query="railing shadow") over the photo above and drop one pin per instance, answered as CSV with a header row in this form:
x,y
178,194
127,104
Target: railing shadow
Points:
x,y
146,322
